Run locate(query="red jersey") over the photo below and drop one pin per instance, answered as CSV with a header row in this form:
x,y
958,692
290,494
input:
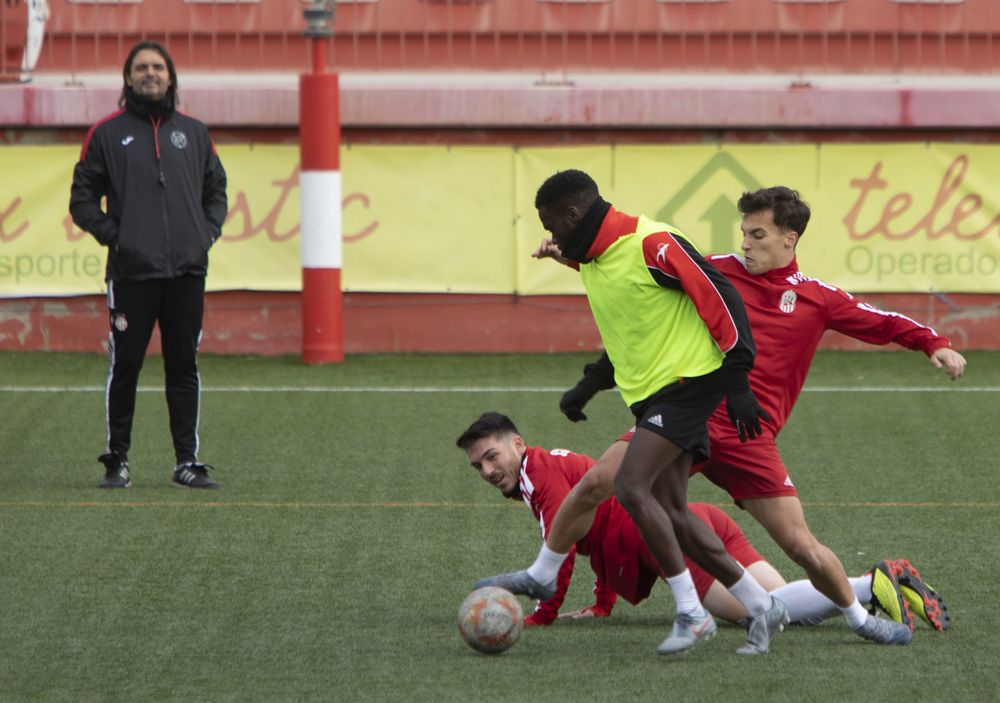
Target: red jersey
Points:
x,y
789,312
618,556
546,477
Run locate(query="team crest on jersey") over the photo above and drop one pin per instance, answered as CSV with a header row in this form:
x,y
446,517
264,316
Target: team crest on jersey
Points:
x,y
787,304
178,139
120,323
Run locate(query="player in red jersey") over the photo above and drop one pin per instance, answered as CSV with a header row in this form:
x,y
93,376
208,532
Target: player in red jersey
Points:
x,y
789,312
624,566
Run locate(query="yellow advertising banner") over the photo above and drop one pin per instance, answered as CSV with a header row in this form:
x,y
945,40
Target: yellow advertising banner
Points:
x,y
421,219
886,217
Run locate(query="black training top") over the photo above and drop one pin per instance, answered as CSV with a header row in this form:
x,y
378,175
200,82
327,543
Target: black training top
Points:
x,y
165,189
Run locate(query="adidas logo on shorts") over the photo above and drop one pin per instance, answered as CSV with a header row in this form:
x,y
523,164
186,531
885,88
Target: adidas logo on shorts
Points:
x,y
656,420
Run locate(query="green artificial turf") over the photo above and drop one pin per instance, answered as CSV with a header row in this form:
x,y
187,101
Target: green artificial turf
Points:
x,y
330,565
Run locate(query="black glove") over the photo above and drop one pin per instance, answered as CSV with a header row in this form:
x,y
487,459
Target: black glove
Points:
x,y
596,377
575,398
744,411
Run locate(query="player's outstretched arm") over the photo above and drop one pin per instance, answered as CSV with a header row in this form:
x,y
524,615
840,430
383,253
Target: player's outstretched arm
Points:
x,y
950,360
863,321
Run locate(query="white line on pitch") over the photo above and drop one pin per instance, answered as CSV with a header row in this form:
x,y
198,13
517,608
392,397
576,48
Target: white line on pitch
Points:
x,y
469,389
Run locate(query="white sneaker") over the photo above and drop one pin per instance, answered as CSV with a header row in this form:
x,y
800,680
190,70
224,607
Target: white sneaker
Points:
x,y
885,631
519,583
688,630
762,629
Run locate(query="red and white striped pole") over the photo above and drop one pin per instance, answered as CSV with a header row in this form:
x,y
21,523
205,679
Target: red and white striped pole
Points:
x,y
319,189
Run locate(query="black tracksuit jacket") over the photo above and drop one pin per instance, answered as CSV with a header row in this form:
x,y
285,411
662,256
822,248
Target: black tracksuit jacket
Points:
x,y
166,194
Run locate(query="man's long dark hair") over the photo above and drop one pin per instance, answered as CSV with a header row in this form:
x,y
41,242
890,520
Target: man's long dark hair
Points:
x,y
171,99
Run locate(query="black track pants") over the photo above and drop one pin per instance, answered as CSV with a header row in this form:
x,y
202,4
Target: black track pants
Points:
x,y
178,305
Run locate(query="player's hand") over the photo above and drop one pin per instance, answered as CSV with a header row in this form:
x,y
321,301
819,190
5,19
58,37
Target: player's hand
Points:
x,y
591,611
950,360
548,249
574,399
597,376
538,620
745,412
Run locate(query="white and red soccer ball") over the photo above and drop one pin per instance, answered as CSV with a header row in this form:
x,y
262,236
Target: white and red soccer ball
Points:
x,y
490,620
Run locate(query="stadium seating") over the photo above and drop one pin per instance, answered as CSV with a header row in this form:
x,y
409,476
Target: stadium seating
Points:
x,y
13,26
747,36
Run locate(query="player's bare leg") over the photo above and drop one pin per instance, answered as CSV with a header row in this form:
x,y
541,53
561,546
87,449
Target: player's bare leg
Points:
x,y
575,516
652,460
785,521
696,539
767,615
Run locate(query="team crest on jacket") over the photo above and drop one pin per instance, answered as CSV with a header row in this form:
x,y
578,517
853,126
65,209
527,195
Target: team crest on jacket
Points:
x,y
178,139
787,304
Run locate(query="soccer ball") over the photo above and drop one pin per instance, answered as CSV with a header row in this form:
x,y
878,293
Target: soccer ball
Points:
x,y
490,620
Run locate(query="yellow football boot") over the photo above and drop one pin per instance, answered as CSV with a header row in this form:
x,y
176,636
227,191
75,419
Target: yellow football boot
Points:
x,y
886,593
921,598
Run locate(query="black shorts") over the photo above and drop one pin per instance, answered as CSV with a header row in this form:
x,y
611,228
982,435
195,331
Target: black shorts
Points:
x,y
680,412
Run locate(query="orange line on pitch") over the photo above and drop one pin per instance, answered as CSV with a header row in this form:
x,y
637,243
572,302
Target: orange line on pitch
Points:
x,y
300,505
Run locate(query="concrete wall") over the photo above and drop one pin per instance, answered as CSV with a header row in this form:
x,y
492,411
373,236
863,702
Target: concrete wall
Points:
x,y
248,322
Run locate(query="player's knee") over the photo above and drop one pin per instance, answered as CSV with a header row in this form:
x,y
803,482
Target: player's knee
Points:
x,y
804,550
590,491
629,494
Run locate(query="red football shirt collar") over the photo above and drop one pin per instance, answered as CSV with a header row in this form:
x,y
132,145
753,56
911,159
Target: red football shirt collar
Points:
x,y
783,273
616,224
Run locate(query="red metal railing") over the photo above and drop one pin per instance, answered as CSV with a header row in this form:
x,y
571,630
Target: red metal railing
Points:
x,y
689,36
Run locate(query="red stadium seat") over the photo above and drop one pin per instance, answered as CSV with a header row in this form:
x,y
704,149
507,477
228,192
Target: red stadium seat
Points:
x,y
13,31
781,36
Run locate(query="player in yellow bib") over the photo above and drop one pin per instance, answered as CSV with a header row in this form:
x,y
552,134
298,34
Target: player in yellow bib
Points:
x,y
677,334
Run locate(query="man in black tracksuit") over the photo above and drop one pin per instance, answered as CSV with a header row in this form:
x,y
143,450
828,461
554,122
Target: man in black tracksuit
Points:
x,y
166,203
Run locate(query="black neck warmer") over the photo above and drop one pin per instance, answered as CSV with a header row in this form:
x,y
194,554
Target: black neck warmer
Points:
x,y
146,109
585,232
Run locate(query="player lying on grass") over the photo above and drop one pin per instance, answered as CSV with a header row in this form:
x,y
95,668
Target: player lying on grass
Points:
x,y
788,313
625,567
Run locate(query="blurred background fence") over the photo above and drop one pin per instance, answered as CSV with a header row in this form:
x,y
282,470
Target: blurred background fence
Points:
x,y
686,36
